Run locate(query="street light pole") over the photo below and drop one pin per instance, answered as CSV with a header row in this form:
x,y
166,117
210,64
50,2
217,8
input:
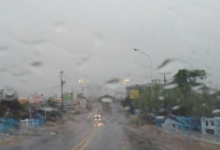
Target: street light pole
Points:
x,y
150,64
81,81
62,82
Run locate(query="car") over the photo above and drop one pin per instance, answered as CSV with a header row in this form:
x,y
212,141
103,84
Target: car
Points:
x,y
97,120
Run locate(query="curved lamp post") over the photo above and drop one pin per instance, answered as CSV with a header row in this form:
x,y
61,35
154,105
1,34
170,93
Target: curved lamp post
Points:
x,y
135,49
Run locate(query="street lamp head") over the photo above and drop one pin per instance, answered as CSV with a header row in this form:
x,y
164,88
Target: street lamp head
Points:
x,y
135,49
126,80
81,81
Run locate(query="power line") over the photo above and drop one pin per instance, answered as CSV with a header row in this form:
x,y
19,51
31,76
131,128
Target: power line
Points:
x,y
50,90
39,90
93,87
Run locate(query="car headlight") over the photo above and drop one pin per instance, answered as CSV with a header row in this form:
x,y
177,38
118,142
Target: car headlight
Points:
x,y
99,119
95,119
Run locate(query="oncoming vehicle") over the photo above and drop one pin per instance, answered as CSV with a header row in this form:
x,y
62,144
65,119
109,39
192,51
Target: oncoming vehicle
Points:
x,y
97,120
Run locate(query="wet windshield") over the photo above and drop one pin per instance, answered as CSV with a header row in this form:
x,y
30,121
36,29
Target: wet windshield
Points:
x,y
149,68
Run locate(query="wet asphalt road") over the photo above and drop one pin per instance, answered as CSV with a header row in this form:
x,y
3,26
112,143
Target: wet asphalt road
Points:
x,y
110,136
80,134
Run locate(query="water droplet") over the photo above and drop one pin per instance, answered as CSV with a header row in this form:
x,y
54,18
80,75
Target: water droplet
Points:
x,y
160,117
212,91
9,96
216,111
114,80
59,27
161,98
175,107
22,74
161,110
52,133
113,83
106,100
36,64
197,88
165,63
170,86
151,114
3,48
85,59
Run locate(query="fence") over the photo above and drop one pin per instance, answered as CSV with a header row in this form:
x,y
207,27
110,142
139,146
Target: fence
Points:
x,y
217,125
33,122
211,125
182,123
7,124
171,125
203,125
190,123
10,123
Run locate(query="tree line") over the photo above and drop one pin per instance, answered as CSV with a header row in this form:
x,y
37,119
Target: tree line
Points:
x,y
186,95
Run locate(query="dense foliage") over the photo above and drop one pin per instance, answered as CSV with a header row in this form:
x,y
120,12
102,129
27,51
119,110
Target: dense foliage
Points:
x,y
186,95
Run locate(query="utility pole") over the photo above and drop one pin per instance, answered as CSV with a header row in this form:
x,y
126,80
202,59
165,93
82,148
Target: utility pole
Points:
x,y
164,76
1,92
62,83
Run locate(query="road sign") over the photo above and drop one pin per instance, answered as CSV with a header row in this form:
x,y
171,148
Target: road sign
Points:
x,y
68,97
134,94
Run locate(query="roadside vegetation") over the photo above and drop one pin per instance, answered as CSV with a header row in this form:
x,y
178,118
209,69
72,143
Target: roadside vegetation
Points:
x,y
186,95
11,108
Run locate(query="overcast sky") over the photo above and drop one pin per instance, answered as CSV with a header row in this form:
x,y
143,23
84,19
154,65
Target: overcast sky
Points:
x,y
94,40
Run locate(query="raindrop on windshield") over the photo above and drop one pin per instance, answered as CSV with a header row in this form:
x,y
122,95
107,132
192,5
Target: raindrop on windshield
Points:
x,y
161,98
113,83
216,111
171,86
36,64
59,27
197,88
165,63
160,117
3,48
175,107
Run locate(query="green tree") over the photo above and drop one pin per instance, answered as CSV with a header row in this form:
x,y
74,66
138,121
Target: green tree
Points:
x,y
186,79
50,103
11,108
